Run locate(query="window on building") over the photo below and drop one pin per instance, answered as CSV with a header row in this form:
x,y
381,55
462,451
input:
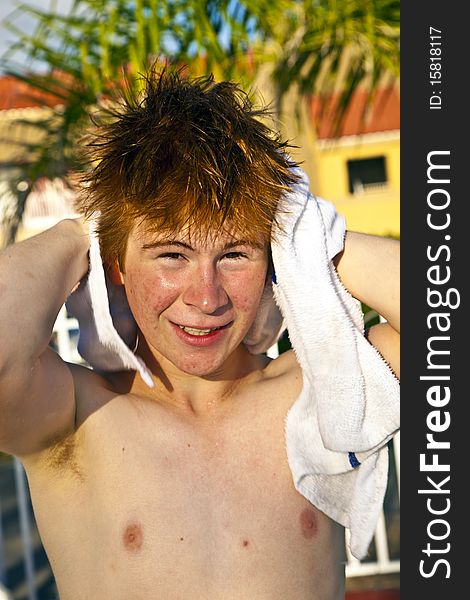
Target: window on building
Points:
x,y
367,174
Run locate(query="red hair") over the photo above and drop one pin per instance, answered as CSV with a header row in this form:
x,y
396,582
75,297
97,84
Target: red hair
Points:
x,y
187,153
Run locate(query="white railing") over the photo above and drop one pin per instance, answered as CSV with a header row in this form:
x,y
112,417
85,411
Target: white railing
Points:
x,y
383,564
65,331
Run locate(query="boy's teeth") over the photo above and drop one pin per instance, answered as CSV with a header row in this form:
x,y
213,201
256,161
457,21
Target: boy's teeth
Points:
x,y
192,331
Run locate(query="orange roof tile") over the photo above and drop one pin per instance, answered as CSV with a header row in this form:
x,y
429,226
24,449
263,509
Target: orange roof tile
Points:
x,y
16,94
383,115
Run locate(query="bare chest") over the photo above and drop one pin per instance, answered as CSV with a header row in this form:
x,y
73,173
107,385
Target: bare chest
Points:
x,y
228,484
215,503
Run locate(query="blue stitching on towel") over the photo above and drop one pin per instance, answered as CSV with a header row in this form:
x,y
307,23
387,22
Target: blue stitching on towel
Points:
x,y
353,460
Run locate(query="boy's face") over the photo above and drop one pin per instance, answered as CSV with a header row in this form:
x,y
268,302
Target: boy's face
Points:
x,y
194,299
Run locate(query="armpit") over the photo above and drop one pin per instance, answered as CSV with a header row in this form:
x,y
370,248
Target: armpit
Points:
x,y
62,457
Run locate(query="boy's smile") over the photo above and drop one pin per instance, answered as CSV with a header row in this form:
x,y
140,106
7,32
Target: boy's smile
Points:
x,y
194,299
200,336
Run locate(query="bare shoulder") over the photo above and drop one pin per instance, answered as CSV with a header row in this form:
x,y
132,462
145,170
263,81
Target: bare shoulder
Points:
x,y
285,364
92,390
285,373
59,454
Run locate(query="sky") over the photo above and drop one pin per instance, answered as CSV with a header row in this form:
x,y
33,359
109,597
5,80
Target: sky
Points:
x,y
26,23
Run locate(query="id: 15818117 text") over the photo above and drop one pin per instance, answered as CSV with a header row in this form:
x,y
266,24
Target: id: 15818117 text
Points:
x,y
435,68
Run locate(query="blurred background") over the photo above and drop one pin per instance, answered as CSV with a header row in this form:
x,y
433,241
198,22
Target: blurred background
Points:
x,y
329,70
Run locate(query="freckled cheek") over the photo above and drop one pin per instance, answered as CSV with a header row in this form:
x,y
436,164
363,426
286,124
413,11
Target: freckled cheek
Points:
x,y
245,292
150,295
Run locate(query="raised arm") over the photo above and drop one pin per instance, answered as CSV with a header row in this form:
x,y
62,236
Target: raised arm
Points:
x,y
369,268
37,404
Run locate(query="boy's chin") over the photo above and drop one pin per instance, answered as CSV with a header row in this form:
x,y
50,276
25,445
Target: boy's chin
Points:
x,y
207,367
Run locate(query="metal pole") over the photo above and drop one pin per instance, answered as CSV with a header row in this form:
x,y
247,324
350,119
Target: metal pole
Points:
x,y
25,528
396,453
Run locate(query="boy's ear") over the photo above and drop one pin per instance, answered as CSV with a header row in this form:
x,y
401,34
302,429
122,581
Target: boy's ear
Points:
x,y
114,273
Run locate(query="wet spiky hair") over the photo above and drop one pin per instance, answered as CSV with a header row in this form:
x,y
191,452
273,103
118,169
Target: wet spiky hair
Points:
x,y
186,153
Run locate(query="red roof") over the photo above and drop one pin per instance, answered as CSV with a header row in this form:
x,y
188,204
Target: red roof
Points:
x,y
383,115
16,94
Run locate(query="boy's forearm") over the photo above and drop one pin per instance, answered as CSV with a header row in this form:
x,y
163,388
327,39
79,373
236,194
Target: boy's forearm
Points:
x,y
369,268
36,276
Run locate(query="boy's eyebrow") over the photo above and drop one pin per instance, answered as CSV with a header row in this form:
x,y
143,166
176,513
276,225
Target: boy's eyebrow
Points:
x,y
253,244
160,243
227,246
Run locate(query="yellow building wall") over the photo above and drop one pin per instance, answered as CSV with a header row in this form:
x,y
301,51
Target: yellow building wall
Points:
x,y
374,211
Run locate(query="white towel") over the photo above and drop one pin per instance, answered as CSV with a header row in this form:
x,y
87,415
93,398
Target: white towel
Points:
x,y
337,430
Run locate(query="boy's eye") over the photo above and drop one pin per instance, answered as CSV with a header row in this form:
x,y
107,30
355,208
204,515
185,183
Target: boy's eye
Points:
x,y
235,255
171,255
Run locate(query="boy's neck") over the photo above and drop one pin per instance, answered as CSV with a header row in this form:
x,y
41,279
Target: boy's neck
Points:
x,y
192,394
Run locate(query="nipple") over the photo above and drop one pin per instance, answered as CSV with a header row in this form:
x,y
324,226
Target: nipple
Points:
x,y
308,523
133,537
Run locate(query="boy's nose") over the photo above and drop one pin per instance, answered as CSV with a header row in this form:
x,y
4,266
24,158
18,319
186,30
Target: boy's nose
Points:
x,y
205,292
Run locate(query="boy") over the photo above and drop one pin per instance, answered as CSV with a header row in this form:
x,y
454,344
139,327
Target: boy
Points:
x,y
180,490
